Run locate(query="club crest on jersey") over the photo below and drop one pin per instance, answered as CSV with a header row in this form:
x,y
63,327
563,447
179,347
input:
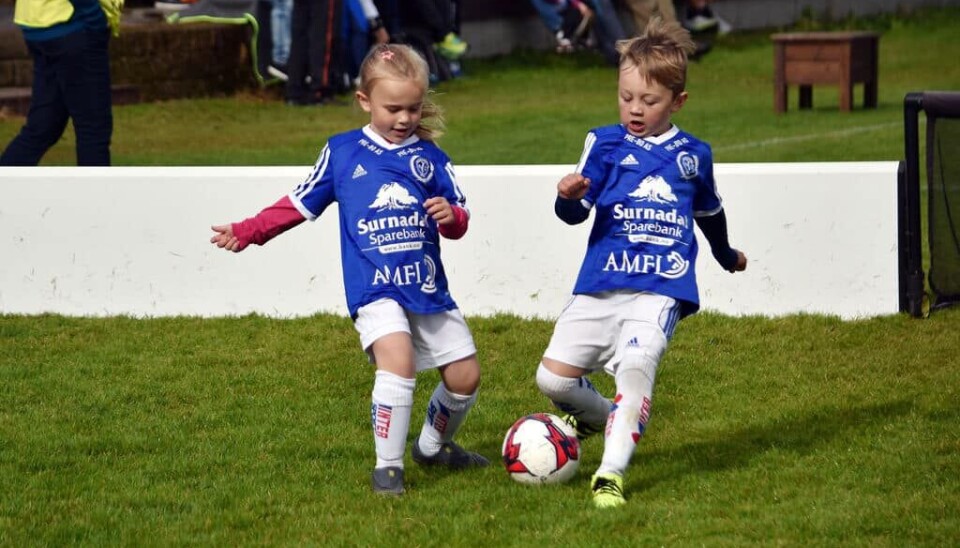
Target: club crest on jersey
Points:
x,y
392,196
654,188
689,165
421,168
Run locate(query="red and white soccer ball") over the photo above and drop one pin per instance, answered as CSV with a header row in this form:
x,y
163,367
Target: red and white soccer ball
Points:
x,y
541,449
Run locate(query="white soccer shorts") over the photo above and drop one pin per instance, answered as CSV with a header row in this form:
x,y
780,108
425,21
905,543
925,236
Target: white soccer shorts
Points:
x,y
593,330
438,339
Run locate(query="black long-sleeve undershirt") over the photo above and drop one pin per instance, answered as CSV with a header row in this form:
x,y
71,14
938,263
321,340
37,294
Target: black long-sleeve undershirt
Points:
x,y
570,210
714,227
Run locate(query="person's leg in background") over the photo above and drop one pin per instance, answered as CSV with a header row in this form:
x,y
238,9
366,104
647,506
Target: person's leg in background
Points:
x,y
323,63
607,29
47,117
456,68
643,10
390,14
86,88
438,17
280,32
71,77
699,17
704,25
666,10
296,88
550,13
355,34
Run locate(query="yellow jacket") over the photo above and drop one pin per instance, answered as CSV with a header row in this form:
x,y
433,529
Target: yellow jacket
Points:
x,y
42,13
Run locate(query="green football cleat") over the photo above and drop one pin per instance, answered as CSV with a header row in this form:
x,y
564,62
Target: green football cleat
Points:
x,y
450,455
584,429
388,480
607,490
452,47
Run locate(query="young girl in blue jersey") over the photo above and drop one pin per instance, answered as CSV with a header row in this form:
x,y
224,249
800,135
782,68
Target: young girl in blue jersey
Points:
x,y
648,182
397,195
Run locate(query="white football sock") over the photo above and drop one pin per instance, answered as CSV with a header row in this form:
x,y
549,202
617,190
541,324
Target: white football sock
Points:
x,y
576,396
390,417
630,412
445,413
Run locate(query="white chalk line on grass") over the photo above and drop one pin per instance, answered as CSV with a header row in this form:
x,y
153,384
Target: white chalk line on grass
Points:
x,y
810,137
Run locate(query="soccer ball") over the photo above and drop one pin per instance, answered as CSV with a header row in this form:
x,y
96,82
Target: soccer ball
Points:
x,y
541,449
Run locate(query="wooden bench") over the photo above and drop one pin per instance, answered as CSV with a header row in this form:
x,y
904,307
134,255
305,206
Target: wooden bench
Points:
x,y
839,58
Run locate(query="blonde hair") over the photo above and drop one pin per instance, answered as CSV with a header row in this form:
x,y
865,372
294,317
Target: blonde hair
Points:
x,y
402,62
659,54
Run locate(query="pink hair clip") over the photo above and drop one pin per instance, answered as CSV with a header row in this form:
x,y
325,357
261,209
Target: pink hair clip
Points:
x,y
386,55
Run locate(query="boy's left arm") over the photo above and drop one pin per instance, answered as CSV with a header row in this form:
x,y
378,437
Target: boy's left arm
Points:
x,y
714,227
710,217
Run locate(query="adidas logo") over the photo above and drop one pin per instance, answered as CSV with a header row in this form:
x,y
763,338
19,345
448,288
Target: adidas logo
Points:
x,y
633,343
359,172
629,161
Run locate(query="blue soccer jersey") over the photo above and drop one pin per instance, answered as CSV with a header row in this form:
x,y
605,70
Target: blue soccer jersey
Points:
x,y
646,193
390,247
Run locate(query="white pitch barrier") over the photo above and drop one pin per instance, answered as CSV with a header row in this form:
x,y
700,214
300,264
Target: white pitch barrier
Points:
x,y
821,238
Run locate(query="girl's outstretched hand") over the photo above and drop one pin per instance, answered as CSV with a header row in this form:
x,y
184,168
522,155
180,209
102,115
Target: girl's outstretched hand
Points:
x,y
225,239
440,209
573,186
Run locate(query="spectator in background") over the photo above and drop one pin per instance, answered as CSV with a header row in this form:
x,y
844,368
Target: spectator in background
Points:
x,y
607,29
568,21
280,35
69,43
389,11
437,19
643,10
362,28
699,18
704,25
313,67
600,15
695,15
432,27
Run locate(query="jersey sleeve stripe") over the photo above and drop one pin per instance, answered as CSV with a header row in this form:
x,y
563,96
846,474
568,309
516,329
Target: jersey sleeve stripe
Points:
x,y
318,170
587,147
461,199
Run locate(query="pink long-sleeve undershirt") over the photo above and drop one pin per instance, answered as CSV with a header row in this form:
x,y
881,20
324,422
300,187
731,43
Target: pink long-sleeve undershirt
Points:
x,y
282,216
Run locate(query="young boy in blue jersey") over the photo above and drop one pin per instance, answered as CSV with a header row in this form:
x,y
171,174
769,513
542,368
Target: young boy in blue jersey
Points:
x,y
397,195
648,182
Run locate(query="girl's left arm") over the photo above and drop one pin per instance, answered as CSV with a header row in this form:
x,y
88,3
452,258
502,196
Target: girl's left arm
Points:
x,y
458,227
454,225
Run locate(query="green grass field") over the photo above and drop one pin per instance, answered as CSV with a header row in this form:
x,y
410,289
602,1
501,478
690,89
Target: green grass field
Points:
x,y
249,431
795,431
